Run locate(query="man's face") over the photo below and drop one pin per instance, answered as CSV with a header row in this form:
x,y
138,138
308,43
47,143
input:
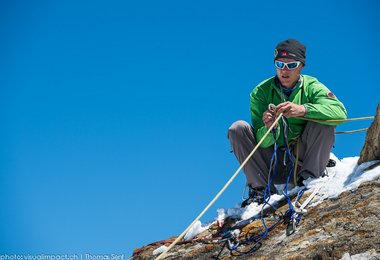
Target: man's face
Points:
x,y
287,77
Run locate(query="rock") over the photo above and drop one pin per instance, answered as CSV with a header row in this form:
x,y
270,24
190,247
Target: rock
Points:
x,y
346,227
371,148
369,255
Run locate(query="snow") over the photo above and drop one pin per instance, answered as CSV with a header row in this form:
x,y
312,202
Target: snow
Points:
x,y
196,229
346,175
362,256
160,250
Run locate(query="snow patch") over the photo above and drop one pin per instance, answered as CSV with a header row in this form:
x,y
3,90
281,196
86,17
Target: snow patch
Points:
x,y
346,175
363,256
196,229
160,250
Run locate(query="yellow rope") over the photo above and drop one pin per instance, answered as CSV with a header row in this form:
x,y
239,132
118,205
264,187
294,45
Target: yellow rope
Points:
x,y
336,120
296,163
341,120
352,131
161,256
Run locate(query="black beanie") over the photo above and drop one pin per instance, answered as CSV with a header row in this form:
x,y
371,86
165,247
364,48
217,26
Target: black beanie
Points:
x,y
292,49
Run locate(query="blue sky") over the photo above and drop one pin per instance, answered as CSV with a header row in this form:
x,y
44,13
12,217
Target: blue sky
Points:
x,y
114,114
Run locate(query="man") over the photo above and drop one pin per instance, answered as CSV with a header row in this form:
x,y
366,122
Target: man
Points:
x,y
295,95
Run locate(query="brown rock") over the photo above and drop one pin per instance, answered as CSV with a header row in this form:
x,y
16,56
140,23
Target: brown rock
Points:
x,y
371,148
347,225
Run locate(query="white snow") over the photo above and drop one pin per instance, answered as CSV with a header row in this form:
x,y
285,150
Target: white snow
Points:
x,y
363,256
346,175
196,229
160,250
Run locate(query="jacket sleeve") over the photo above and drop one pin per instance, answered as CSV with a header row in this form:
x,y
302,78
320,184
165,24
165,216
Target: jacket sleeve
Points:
x,y
258,105
323,104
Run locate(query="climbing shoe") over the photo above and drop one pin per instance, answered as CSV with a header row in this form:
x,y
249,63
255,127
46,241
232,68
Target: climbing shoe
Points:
x,y
255,195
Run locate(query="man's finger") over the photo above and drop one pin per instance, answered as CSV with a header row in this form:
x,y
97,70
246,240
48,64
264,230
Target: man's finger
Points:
x,y
283,109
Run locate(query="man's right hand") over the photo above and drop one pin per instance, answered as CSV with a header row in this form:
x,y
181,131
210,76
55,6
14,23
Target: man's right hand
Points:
x,y
268,119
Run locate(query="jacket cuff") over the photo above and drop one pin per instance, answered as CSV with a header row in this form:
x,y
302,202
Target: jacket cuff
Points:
x,y
305,110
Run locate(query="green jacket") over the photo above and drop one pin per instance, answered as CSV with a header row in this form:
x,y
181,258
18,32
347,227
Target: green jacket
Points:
x,y
320,103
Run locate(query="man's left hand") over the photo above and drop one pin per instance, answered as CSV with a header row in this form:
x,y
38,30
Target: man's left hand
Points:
x,y
290,109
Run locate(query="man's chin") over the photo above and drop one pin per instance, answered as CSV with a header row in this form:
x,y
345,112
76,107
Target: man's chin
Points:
x,y
286,84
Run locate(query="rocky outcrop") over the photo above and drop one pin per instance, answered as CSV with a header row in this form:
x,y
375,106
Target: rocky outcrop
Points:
x,y
340,228
371,148
347,227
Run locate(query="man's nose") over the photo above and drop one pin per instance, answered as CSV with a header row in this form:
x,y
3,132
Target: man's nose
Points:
x,y
285,68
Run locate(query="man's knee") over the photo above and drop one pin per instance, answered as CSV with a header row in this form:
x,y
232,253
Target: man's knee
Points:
x,y
237,129
315,130
321,127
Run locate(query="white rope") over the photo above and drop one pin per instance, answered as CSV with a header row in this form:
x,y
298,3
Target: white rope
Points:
x,y
161,256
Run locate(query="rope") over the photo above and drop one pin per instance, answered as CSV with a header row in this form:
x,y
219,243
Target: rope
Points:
x,y
352,131
296,163
341,121
161,256
336,120
289,216
260,237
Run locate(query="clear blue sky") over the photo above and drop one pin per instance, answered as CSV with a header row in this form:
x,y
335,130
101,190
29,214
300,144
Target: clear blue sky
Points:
x,y
114,114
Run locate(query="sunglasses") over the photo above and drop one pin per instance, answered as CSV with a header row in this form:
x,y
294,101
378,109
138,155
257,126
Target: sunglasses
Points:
x,y
290,65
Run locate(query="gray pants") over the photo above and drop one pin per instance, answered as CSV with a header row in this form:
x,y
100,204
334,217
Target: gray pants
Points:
x,y
315,145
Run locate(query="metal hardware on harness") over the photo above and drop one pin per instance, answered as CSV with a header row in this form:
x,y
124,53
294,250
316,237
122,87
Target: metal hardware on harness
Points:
x,y
291,227
299,210
231,234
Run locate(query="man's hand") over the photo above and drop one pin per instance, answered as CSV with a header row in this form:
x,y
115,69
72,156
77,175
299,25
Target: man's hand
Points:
x,y
268,118
290,109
